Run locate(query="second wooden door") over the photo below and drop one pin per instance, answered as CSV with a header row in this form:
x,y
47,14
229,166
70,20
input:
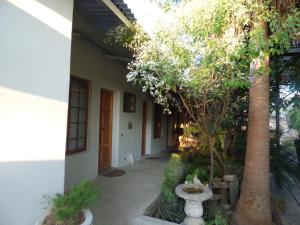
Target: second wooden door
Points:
x,y
105,139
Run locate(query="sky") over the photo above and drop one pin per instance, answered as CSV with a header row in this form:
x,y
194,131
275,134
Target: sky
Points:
x,y
146,12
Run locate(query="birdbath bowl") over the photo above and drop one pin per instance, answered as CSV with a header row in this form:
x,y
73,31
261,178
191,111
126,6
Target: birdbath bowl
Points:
x,y
193,204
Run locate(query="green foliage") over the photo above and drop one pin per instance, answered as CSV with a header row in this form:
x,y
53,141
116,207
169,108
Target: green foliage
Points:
x,y
189,178
130,38
204,48
167,5
283,29
172,177
218,220
197,163
66,207
171,207
197,61
194,170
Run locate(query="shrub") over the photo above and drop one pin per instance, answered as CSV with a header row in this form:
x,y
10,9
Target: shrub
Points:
x,y
193,171
218,220
65,208
171,207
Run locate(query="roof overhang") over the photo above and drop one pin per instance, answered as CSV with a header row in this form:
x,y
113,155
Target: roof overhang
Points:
x,y
94,18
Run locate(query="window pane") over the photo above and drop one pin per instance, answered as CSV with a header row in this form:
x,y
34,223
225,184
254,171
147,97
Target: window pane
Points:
x,y
83,88
74,84
74,99
73,130
81,131
82,114
81,144
72,145
129,102
74,115
131,107
83,100
77,124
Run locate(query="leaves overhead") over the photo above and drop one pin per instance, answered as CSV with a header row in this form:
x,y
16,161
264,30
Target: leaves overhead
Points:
x,y
197,60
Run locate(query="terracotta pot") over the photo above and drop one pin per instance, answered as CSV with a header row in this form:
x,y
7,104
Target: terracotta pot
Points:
x,y
86,212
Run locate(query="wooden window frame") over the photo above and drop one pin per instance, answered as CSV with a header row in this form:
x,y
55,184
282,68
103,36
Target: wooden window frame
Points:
x,y
129,102
86,84
157,122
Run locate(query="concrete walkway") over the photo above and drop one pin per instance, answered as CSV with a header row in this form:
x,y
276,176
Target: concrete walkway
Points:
x,y
291,213
129,195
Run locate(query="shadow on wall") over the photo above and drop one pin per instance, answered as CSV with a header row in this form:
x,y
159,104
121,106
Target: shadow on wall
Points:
x,y
36,46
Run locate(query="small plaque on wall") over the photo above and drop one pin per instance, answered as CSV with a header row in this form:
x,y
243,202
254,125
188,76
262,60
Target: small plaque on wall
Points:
x,y
129,102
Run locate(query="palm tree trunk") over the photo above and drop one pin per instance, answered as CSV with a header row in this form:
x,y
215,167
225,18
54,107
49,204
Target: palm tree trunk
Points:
x,y
253,207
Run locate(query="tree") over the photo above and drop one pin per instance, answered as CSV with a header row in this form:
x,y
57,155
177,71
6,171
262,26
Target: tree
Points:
x,y
254,203
198,60
199,68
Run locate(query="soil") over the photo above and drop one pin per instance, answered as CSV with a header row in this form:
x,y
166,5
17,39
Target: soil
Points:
x,y
192,190
50,220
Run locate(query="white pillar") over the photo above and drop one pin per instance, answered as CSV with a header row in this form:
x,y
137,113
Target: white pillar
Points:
x,y
35,47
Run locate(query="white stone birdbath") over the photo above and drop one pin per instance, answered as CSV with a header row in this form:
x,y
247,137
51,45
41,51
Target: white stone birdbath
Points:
x,y
193,204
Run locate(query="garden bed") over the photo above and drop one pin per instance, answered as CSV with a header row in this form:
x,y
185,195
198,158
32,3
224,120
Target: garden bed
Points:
x,y
147,220
151,215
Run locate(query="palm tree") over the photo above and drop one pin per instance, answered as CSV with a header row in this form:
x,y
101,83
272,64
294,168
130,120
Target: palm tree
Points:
x,y
253,207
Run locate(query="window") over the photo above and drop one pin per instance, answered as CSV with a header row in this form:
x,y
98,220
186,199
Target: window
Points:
x,y
157,121
129,102
78,115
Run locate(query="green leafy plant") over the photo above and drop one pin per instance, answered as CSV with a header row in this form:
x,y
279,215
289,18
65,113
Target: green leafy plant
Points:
x,y
171,207
66,207
189,178
194,170
218,220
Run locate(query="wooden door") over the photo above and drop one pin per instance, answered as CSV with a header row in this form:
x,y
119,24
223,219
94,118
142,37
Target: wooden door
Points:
x,y
105,139
144,128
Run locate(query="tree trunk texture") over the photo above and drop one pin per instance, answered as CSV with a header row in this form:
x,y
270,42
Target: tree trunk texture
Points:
x,y
253,207
254,204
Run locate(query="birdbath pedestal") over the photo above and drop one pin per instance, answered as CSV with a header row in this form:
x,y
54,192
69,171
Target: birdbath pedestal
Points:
x,y
193,204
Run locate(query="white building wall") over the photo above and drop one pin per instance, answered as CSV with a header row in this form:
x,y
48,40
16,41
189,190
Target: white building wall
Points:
x,y
88,63
34,79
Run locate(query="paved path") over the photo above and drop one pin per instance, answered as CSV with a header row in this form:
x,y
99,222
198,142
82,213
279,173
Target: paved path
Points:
x,y
292,209
129,195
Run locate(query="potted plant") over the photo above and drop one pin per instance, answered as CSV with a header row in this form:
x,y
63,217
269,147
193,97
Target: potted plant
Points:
x,y
71,208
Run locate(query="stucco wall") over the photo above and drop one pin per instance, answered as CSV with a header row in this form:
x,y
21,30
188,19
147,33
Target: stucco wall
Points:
x,y
87,62
34,79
